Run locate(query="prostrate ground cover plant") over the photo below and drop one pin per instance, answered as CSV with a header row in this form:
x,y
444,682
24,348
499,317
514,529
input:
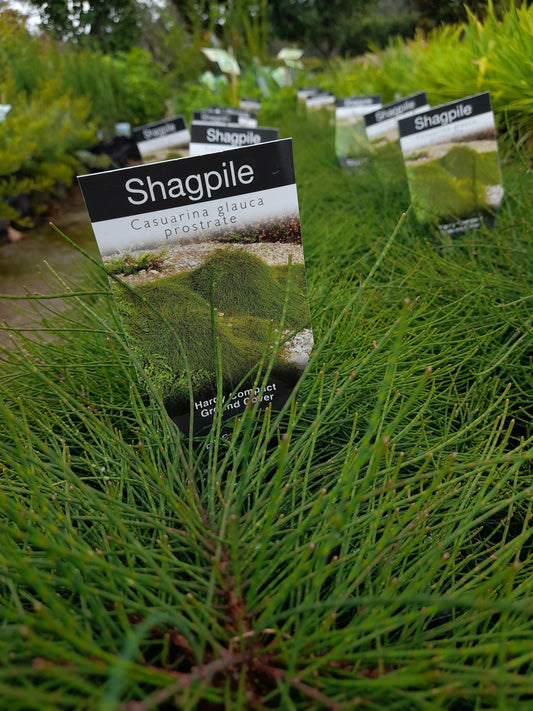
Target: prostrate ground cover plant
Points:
x,y
369,546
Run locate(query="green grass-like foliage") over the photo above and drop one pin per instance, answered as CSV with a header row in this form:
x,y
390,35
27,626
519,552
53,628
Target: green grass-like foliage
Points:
x,y
169,321
368,547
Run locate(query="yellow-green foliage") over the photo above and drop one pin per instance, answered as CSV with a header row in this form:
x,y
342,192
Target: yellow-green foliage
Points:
x,y
493,55
59,95
127,86
37,144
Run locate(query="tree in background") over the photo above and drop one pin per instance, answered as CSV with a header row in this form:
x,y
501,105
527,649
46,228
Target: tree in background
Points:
x,y
112,24
438,12
321,24
239,25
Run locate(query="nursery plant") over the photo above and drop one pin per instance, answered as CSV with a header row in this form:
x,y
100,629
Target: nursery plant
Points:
x,y
367,546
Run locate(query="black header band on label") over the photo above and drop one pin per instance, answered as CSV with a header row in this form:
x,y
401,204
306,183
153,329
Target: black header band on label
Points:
x,y
158,129
442,115
396,108
224,135
187,181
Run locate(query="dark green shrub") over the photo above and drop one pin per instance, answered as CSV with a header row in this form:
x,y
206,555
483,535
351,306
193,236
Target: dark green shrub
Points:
x,y
376,31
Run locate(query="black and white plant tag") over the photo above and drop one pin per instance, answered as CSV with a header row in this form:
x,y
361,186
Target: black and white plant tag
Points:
x,y
451,159
209,137
167,133
226,291
352,147
239,117
321,100
250,104
382,128
304,92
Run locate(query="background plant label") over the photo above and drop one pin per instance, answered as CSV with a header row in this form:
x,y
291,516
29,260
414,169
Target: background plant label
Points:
x,y
320,100
215,116
229,292
210,137
239,117
451,158
382,129
305,92
167,133
351,143
250,104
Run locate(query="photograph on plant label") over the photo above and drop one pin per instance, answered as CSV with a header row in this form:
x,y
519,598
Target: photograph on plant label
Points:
x,y
452,164
352,147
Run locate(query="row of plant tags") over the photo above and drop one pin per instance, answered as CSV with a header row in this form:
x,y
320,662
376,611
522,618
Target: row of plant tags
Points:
x,y
227,217
448,154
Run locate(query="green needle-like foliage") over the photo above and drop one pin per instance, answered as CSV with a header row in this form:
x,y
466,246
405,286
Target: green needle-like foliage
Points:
x,y
369,546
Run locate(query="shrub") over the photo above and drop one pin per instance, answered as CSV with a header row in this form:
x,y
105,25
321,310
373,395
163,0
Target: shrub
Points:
x,y
376,31
494,54
38,141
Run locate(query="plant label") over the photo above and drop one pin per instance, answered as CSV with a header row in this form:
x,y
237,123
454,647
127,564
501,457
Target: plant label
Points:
x,y
222,296
250,104
306,92
382,131
168,133
239,117
451,159
352,147
321,100
211,137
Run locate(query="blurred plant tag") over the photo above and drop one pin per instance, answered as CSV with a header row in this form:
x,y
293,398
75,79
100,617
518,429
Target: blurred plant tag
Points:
x,y
382,131
351,143
167,133
239,116
320,100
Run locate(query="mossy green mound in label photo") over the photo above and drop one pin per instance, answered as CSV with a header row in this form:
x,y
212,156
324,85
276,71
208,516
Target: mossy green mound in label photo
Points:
x,y
453,185
464,162
169,321
244,284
